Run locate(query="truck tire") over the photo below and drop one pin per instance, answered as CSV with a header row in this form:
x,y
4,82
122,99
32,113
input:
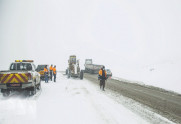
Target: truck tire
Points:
x,y
6,93
33,90
81,74
39,85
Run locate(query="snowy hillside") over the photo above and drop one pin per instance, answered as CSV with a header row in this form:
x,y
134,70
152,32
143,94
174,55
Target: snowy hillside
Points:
x,y
164,75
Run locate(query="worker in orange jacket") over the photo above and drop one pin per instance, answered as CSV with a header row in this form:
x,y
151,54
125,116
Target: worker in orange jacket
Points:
x,y
46,74
51,72
54,73
102,77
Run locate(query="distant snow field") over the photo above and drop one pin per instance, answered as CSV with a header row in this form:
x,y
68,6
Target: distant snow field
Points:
x,y
164,75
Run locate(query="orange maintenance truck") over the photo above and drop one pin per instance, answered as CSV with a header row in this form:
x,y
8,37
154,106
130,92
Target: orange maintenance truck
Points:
x,y
20,76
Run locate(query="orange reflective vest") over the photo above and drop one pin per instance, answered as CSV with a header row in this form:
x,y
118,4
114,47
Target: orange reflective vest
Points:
x,y
54,71
45,70
100,73
51,68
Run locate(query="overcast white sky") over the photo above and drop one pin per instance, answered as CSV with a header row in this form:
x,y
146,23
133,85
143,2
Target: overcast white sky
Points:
x,y
111,32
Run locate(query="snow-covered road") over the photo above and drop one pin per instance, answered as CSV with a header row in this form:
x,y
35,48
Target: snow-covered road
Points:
x,y
68,101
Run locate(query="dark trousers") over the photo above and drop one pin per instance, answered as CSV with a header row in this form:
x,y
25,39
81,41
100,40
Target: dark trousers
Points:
x,y
51,75
54,75
102,84
46,78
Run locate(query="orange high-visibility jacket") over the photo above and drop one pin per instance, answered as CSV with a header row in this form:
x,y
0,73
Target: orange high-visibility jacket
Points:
x,y
54,71
100,73
45,70
51,68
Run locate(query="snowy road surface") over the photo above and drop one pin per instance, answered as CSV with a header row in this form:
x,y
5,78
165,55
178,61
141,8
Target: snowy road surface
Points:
x,y
163,102
68,101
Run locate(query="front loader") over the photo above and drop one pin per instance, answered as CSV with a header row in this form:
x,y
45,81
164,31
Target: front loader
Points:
x,y
73,69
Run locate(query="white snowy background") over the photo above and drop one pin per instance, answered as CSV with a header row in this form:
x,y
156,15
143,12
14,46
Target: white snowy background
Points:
x,y
139,40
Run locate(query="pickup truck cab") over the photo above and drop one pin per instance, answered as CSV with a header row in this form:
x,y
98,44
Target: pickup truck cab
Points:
x,y
20,76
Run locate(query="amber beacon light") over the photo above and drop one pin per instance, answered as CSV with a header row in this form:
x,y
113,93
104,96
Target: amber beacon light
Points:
x,y
23,60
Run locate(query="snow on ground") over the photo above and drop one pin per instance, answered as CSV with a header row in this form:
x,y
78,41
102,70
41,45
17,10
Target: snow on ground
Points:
x,y
74,101
164,75
68,101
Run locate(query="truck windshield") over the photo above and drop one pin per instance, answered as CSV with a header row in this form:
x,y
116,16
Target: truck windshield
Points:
x,y
21,66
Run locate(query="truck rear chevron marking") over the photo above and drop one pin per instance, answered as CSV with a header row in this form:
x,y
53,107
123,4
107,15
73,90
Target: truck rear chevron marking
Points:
x,y
14,78
8,78
23,77
19,77
4,77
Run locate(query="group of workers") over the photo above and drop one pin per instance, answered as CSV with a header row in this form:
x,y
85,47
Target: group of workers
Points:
x,y
53,73
102,75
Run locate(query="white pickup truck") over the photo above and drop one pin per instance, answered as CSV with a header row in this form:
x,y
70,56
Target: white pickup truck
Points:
x,y
20,76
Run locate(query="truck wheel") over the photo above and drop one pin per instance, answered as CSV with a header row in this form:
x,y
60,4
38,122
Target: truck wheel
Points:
x,y
33,91
81,74
39,85
26,92
6,93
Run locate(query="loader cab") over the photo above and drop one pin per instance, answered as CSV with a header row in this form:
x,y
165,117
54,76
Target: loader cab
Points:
x,y
72,60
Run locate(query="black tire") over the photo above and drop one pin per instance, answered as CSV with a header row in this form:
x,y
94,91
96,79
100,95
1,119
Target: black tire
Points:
x,y
39,86
27,92
81,74
6,93
33,90
68,73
